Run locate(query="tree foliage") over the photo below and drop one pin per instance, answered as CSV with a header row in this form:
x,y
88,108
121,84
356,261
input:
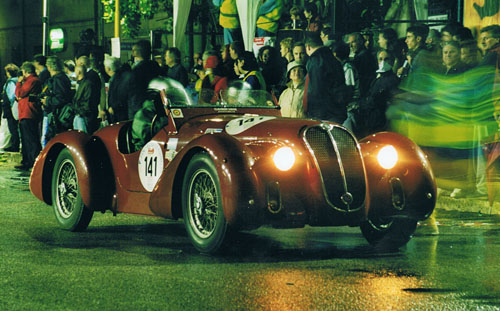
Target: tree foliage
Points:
x,y
132,12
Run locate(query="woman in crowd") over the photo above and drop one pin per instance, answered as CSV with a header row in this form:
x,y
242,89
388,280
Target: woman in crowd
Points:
x,y
291,100
271,66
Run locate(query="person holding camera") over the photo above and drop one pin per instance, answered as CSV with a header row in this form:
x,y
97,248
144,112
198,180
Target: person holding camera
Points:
x,y
28,89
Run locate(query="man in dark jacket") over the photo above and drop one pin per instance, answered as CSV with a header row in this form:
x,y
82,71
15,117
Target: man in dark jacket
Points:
x,y
57,95
175,70
96,84
43,74
81,100
120,89
363,61
143,71
325,83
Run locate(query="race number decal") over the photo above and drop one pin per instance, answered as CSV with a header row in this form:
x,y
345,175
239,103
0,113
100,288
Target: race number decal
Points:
x,y
150,165
242,124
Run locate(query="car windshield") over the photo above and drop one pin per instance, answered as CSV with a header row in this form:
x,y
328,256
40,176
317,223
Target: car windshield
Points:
x,y
231,97
237,94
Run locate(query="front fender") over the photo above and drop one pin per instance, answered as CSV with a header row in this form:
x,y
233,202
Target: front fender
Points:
x,y
86,151
233,162
411,182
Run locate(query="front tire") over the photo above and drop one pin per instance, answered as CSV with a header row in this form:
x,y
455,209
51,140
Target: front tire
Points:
x,y
202,205
388,234
70,212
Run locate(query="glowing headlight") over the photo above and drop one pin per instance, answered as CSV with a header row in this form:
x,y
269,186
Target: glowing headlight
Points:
x,y
284,158
387,157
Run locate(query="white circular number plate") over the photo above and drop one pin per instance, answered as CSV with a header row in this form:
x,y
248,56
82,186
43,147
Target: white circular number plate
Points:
x,y
150,165
242,124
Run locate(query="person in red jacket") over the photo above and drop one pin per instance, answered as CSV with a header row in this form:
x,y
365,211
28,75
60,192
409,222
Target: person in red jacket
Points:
x,y
28,88
214,83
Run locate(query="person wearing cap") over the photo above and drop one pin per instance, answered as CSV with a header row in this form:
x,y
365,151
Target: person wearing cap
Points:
x,y
291,99
214,82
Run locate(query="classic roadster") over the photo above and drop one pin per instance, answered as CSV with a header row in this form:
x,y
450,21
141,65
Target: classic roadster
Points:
x,y
237,165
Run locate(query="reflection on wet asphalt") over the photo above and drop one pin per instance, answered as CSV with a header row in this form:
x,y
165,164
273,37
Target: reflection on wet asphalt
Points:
x,y
15,179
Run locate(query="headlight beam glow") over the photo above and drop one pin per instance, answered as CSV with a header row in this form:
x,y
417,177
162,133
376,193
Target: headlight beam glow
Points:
x,y
387,157
284,158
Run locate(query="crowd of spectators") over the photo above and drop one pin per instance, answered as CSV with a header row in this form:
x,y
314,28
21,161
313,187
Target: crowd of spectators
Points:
x,y
346,78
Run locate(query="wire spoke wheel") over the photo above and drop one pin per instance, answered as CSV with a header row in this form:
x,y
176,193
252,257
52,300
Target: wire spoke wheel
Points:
x,y
67,202
202,205
67,189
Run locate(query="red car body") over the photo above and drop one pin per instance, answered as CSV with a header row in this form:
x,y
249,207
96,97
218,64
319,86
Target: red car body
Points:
x,y
335,179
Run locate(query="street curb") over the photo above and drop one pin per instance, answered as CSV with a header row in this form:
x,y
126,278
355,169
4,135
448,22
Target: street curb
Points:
x,y
10,157
468,205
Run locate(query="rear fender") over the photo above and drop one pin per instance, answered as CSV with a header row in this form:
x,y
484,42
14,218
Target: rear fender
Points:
x,y
94,171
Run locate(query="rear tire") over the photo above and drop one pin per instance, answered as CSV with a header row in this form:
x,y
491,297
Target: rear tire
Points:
x,y
70,212
202,205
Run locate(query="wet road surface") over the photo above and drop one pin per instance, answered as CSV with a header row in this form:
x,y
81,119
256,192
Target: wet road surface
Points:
x,y
143,263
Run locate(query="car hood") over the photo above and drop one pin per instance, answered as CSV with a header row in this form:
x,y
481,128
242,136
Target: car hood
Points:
x,y
249,126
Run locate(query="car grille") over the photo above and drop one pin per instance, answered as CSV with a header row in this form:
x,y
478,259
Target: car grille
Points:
x,y
340,165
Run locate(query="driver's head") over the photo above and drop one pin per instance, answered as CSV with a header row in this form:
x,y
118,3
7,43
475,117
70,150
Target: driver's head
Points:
x,y
174,90
236,90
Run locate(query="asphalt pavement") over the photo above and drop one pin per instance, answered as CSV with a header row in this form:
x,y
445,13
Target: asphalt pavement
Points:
x,y
130,262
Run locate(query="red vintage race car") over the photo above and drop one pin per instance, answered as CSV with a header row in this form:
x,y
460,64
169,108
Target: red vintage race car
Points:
x,y
238,165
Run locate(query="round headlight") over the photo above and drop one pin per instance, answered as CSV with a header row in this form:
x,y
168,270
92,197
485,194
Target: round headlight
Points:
x,y
284,158
387,157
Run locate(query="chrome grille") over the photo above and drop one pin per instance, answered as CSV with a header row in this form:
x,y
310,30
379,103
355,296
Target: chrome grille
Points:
x,y
340,165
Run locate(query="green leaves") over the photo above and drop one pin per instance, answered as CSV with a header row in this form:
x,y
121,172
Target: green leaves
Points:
x,y
132,11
